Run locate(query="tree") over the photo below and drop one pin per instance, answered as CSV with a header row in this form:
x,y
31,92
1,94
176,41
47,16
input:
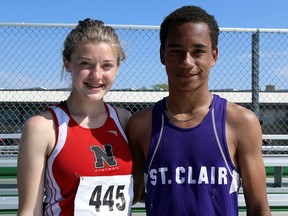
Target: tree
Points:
x,y
161,86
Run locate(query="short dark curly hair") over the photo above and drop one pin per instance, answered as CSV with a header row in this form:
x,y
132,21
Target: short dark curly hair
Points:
x,y
192,14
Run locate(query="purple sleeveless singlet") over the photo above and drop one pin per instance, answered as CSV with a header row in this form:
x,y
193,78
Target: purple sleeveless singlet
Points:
x,y
189,171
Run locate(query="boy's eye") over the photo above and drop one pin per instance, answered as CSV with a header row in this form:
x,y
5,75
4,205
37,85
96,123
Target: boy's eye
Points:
x,y
199,51
176,51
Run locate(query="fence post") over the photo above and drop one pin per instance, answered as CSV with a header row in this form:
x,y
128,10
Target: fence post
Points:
x,y
255,72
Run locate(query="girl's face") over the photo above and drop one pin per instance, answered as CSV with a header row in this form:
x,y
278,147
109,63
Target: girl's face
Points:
x,y
93,67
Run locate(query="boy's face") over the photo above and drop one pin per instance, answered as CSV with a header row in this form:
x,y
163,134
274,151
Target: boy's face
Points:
x,y
188,55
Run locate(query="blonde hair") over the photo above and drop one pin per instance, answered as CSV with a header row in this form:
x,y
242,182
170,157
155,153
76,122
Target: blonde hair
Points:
x,y
90,30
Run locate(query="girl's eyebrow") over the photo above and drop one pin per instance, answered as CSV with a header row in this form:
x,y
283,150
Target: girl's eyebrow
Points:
x,y
89,59
83,58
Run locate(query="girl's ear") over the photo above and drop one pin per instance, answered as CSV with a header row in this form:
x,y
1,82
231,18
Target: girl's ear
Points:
x,y
66,64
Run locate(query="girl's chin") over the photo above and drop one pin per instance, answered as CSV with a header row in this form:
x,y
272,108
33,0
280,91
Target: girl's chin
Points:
x,y
95,95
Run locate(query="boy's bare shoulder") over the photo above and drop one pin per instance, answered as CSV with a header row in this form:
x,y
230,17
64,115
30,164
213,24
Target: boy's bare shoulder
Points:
x,y
239,114
141,120
142,115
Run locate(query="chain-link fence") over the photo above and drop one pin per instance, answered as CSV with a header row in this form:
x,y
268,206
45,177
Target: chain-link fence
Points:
x,y
251,70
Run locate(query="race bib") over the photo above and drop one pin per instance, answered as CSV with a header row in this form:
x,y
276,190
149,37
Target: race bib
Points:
x,y
104,196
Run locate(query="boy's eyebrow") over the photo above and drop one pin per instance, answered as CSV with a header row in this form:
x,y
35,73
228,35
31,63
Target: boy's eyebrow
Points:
x,y
175,45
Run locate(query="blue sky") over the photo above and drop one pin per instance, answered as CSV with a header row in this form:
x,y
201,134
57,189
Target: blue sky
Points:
x,y
229,13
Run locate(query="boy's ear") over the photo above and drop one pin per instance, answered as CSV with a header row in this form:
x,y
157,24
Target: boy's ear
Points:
x,y
214,57
162,58
66,64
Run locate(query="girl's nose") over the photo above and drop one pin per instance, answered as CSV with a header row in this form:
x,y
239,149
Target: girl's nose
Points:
x,y
96,72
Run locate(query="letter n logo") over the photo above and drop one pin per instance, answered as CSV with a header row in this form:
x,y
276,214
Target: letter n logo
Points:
x,y
104,155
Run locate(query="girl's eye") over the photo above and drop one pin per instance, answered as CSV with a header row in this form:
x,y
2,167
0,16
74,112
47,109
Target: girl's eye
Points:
x,y
107,66
85,63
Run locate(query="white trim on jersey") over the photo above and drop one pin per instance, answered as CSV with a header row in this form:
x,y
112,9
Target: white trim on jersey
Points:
x,y
219,143
235,184
155,150
115,117
52,189
158,142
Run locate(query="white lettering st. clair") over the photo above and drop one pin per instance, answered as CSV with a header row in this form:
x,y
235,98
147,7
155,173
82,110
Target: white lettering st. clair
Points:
x,y
163,177
206,175
153,176
222,175
203,176
180,180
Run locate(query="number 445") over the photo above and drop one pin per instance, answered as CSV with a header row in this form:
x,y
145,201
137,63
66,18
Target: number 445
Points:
x,y
108,198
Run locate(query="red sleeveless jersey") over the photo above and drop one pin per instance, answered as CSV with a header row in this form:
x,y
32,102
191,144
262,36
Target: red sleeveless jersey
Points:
x,y
101,153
